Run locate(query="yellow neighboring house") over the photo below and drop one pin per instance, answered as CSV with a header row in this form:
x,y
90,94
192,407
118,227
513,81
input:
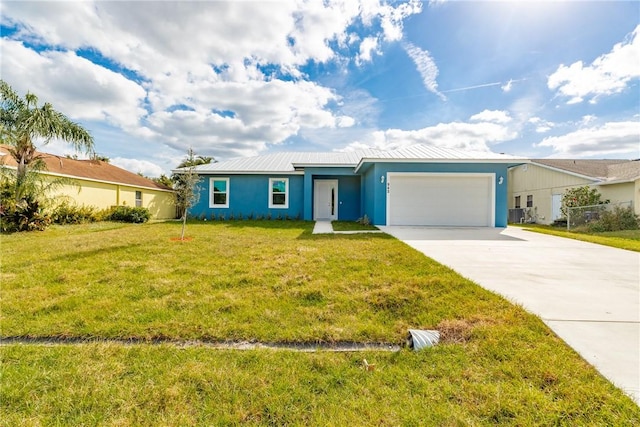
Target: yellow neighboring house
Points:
x,y
102,185
536,188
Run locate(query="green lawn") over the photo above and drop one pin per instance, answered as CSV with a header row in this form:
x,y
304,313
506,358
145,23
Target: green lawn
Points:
x,y
625,239
271,281
351,226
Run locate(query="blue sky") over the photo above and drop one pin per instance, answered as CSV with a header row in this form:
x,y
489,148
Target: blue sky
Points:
x,y
233,79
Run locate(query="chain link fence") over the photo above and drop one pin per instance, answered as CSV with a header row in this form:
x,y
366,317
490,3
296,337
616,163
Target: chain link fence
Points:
x,y
584,215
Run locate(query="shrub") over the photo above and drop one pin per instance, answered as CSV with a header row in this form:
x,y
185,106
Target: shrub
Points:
x,y
580,196
21,206
364,220
129,214
26,214
68,213
618,219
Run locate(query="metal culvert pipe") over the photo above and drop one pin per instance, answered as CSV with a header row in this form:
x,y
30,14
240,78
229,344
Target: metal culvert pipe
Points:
x,y
418,339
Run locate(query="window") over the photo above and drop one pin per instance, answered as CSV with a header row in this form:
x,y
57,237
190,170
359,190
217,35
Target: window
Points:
x,y
219,197
530,201
279,193
138,199
517,202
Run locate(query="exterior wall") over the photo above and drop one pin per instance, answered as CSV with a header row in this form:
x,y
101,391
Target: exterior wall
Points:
x,y
248,195
368,186
623,192
349,206
541,183
376,189
349,198
636,195
161,204
102,195
97,194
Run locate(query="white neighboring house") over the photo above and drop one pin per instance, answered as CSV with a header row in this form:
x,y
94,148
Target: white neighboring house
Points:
x,y
537,187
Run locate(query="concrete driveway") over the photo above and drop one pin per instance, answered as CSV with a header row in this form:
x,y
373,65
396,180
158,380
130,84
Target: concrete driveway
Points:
x,y
588,294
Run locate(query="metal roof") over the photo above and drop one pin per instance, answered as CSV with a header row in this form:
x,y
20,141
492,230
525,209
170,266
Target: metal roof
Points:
x,y
429,152
286,162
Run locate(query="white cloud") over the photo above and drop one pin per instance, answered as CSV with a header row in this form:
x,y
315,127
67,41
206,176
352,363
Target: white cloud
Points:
x,y
75,86
494,116
467,136
426,66
507,86
234,86
613,138
607,74
541,126
345,121
138,166
393,17
367,48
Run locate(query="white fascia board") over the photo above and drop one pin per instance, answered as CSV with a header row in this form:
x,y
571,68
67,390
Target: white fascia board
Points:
x,y
236,172
324,165
408,160
618,181
83,178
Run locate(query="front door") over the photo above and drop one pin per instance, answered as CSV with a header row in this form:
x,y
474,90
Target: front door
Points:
x,y
325,205
556,204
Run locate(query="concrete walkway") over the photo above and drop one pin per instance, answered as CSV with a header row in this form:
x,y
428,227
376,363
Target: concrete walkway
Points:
x,y
588,294
322,227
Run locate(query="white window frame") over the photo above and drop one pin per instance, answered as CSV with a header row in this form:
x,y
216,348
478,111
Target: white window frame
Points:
x,y
211,188
138,200
286,193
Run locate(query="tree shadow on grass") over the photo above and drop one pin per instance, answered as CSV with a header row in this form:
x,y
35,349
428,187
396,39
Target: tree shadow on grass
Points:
x,y
73,256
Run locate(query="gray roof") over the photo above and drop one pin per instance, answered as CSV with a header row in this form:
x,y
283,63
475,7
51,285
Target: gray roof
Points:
x,y
623,172
606,170
286,162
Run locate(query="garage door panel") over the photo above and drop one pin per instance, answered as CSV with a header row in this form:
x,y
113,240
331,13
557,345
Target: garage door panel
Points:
x,y
440,200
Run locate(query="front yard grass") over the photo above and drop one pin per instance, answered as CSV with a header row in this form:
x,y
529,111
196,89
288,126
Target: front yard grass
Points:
x,y
271,281
624,239
352,226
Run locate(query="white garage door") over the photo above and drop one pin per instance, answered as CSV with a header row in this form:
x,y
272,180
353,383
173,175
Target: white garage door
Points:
x,y
440,199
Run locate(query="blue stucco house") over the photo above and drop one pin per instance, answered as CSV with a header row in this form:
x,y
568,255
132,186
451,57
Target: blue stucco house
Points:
x,y
417,185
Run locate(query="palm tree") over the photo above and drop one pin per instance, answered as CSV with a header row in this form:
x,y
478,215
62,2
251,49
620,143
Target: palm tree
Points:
x,y
23,123
192,160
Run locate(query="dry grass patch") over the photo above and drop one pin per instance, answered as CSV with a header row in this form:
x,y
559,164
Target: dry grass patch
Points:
x,y
460,331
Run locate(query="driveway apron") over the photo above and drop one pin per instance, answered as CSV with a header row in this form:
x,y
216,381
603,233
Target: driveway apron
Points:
x,y
588,294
